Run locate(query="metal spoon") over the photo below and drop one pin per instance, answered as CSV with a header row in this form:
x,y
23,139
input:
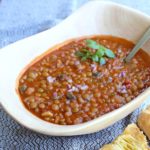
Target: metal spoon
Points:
x,y
140,43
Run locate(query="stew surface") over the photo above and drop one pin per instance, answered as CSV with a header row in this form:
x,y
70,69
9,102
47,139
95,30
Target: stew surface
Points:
x,y
65,89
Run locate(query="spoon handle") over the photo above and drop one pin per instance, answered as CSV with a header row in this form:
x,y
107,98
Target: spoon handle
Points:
x,y
137,47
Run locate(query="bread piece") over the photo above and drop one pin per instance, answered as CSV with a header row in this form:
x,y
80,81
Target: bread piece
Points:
x,y
131,139
111,147
144,121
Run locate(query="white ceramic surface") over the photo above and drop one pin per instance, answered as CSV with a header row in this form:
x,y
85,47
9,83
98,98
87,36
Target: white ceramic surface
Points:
x,y
95,17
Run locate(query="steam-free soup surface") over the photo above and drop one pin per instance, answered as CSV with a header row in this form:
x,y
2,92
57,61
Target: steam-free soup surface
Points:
x,y
66,89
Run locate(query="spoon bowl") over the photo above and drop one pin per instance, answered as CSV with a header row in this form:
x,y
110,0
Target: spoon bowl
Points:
x,y
138,45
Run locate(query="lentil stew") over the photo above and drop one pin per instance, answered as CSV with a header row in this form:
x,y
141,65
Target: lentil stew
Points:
x,y
79,81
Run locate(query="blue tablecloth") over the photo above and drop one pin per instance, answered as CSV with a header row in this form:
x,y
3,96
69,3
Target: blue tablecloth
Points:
x,y
19,19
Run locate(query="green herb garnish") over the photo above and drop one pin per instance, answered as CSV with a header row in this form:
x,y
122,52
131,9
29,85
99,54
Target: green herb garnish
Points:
x,y
109,53
98,56
102,61
92,44
95,58
84,54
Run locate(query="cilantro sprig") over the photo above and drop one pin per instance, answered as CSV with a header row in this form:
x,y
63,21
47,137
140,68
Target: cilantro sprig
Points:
x,y
99,55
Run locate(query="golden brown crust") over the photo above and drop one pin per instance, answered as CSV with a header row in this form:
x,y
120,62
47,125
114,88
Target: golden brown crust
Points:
x,y
135,132
144,121
110,147
131,138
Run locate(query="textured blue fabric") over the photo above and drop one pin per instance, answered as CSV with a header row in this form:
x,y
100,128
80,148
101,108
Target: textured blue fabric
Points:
x,y
22,18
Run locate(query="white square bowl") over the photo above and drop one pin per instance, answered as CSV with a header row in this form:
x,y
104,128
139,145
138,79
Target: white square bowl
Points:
x,y
95,17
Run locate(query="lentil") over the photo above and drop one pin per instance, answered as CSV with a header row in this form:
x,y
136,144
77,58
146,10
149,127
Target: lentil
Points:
x,y
23,88
42,106
55,107
29,91
47,114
